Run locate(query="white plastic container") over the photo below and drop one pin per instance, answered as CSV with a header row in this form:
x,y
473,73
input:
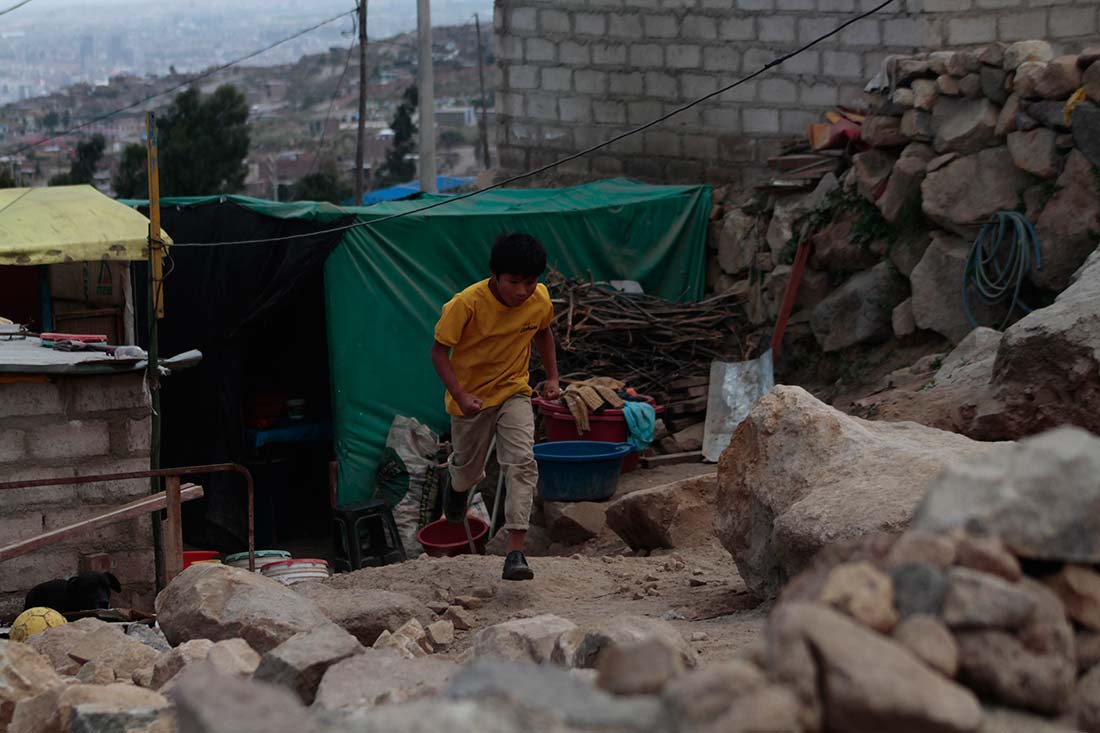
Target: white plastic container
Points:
x,y
289,572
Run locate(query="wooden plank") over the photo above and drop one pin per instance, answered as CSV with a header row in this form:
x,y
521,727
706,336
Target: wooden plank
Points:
x,y
137,508
172,536
672,459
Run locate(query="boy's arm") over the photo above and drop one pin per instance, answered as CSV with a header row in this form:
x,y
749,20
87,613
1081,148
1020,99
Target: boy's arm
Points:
x,y
441,360
544,342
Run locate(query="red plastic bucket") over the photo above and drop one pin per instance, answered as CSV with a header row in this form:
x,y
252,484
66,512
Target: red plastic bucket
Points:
x,y
191,557
447,539
609,426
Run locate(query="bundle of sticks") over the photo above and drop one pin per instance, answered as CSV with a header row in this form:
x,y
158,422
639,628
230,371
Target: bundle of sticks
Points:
x,y
646,342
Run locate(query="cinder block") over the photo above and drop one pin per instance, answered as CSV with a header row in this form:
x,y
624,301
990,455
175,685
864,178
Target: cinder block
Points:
x,y
661,26
29,399
721,58
660,85
794,5
523,77
684,171
609,54
744,92
819,95
118,536
624,26
699,147
642,3
639,113
947,6
932,32
842,64
606,3
118,491
1023,26
756,58
693,86
811,28
689,120
509,104
698,28
683,56
573,54
134,566
542,107
644,55
523,19
777,29
26,571
795,121
553,21
645,169
16,527
557,79
590,82
718,4
662,143
905,32
736,148
778,91
997,4
512,158
520,132
737,29
607,165
1073,22
756,4
12,445
539,49
590,24
764,121
138,435
836,6
807,62
722,119
678,4
71,439
509,48
862,33
575,109
609,113
626,84
963,31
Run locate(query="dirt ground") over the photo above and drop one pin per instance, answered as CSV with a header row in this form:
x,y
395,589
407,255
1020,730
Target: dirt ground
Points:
x,y
696,589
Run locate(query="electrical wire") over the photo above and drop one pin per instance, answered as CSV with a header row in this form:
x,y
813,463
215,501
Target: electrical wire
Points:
x,y
187,82
5,11
331,104
549,166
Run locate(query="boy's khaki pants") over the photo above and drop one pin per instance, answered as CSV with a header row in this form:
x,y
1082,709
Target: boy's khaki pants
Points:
x,y
513,423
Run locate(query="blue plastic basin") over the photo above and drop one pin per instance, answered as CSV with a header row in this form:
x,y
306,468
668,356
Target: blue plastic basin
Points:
x,y
579,470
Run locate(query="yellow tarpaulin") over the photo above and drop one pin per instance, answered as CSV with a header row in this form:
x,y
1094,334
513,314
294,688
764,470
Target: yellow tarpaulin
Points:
x,y
43,226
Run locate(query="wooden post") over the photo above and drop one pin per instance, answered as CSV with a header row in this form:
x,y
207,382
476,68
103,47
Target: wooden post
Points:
x,y
360,139
155,313
173,530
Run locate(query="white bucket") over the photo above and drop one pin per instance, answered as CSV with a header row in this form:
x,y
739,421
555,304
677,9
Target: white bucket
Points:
x,y
289,572
263,558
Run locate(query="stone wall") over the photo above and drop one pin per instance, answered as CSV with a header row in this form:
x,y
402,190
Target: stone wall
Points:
x,y
573,73
74,426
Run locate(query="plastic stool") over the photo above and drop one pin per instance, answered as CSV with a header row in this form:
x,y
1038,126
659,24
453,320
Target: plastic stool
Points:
x,y
365,535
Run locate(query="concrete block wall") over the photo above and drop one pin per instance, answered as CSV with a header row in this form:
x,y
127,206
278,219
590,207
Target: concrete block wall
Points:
x,y
573,73
74,426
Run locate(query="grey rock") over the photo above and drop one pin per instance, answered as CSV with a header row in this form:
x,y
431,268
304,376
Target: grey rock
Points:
x,y
903,189
1007,720
92,718
790,209
1006,120
917,125
964,125
971,86
931,641
980,600
637,668
834,250
1027,78
376,677
961,63
703,695
1068,226
948,85
925,93
522,639
902,319
738,242
912,68
1035,495
429,716
1035,152
1060,78
1087,701
966,191
907,252
1049,114
575,522
1086,130
208,702
668,516
1024,51
993,84
1091,82
299,663
364,612
937,290
993,54
551,693
581,647
860,310
149,636
882,131
919,589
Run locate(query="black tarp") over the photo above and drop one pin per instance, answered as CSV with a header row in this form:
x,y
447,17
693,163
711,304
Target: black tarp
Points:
x,y
256,311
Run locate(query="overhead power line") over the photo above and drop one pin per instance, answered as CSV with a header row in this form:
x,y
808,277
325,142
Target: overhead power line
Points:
x,y
550,166
5,11
331,104
175,87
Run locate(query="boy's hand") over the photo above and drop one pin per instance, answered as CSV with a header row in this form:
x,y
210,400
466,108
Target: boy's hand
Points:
x,y
469,404
551,390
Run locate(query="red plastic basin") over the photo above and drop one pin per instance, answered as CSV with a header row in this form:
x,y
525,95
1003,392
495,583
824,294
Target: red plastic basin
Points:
x,y
447,539
609,426
193,556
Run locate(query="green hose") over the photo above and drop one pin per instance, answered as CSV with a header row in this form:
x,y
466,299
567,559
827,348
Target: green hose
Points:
x,y
999,263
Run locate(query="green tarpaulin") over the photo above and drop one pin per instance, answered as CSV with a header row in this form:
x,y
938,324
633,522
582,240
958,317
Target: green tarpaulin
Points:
x,y
385,286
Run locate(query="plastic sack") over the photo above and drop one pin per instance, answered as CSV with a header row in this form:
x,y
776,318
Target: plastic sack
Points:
x,y
411,460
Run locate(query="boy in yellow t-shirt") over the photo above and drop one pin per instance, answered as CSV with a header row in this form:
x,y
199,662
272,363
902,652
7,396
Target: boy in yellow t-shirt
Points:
x,y
482,353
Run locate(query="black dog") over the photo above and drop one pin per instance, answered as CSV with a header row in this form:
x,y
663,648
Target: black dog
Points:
x,y
84,592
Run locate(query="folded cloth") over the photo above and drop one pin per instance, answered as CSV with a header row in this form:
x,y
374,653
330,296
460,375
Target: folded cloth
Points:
x,y
641,420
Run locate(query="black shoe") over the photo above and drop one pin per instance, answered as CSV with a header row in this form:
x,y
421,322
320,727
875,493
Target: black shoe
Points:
x,y
454,503
516,567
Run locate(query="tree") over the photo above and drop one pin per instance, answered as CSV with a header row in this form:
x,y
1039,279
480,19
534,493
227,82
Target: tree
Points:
x,y
398,167
322,185
203,145
88,154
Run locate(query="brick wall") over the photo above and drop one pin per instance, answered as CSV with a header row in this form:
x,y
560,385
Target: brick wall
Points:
x,y
575,72
69,427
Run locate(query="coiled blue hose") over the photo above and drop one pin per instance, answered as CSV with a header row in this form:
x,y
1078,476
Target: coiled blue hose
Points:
x,y
999,263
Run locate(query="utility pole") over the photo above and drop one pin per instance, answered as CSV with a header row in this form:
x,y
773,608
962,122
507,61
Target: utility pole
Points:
x,y
155,312
483,121
361,136
427,96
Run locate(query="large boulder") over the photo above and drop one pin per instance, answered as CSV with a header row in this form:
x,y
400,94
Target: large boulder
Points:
x,y
673,515
963,125
24,673
835,251
232,657
115,653
1035,152
1039,496
209,702
381,676
790,209
300,662
581,647
964,192
937,291
109,707
1086,127
522,639
365,612
1047,370
1069,226
799,474
217,602
55,643
902,192
738,242
860,310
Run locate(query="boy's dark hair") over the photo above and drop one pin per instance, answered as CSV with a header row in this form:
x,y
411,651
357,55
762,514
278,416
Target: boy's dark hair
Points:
x,y
517,254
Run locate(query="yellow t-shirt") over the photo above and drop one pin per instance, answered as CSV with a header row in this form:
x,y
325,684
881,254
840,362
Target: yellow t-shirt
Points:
x,y
491,343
